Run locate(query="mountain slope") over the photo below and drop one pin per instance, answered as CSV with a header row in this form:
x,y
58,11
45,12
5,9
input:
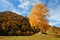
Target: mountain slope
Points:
x,y
14,24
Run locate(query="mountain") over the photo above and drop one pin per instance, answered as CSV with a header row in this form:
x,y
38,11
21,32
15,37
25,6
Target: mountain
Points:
x,y
13,24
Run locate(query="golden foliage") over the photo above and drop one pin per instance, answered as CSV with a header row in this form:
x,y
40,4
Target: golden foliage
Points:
x,y
37,17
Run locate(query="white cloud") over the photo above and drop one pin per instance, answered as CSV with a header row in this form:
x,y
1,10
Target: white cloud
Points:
x,y
6,6
54,9
24,5
54,23
55,14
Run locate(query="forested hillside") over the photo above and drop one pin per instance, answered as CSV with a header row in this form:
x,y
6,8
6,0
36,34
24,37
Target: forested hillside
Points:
x,y
14,24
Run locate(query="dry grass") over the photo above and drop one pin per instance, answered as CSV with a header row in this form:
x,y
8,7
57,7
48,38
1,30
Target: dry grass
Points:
x,y
37,36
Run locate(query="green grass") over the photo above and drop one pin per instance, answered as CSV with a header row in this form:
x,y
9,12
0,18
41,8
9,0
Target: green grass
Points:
x,y
37,36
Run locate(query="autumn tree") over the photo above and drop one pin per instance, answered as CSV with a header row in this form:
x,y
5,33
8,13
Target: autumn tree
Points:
x,y
37,17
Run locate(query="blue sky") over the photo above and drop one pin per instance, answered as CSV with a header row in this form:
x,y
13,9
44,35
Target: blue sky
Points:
x,y
23,7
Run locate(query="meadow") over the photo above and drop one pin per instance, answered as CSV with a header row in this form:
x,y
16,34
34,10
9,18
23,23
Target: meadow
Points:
x,y
37,36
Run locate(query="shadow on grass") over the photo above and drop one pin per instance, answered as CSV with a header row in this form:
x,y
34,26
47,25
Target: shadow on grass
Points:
x,y
58,36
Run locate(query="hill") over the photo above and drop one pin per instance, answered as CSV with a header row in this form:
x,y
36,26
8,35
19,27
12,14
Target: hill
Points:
x,y
13,24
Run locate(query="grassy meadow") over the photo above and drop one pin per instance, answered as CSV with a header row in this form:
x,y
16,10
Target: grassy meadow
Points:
x,y
37,36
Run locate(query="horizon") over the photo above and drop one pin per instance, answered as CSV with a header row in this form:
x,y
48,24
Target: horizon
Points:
x,y
23,7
